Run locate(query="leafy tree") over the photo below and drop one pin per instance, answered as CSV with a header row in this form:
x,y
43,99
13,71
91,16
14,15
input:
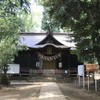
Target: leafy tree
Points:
x,y
29,22
8,49
9,43
10,26
48,22
13,6
83,18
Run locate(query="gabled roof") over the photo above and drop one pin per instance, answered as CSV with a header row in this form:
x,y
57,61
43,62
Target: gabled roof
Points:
x,y
40,40
49,39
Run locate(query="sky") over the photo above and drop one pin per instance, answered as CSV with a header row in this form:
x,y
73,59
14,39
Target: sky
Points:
x,y
37,12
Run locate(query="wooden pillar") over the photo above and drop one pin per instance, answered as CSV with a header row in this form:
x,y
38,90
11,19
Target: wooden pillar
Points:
x,y
28,61
69,61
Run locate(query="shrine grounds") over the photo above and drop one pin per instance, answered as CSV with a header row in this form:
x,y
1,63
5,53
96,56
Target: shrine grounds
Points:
x,y
23,90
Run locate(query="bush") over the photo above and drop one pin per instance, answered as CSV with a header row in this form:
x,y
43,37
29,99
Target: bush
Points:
x,y
5,80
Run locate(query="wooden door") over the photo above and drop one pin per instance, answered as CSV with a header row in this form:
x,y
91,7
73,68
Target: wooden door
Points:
x,y
49,64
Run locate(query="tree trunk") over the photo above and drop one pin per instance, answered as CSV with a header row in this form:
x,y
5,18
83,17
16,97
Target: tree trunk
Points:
x,y
4,78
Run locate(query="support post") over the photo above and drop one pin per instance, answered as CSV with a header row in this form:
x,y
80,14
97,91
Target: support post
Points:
x,y
79,80
95,85
83,81
88,81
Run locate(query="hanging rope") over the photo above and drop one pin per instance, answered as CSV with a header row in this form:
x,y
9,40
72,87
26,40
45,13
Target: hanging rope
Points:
x,y
49,58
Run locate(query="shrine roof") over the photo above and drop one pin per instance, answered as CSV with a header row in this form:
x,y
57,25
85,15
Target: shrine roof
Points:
x,y
35,40
50,44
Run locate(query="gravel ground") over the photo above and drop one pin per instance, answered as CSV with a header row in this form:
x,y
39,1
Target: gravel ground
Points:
x,y
73,92
22,90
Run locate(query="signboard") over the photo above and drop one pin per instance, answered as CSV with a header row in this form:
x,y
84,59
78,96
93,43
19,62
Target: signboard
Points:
x,y
96,76
91,67
13,69
80,70
81,73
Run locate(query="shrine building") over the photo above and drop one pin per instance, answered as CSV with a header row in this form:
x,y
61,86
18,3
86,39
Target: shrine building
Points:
x,y
46,51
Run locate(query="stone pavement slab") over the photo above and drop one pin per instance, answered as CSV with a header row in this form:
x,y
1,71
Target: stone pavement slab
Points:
x,y
51,91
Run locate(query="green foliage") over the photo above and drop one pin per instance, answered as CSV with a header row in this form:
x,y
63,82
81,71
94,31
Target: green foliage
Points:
x,y
10,26
8,48
83,18
10,21
14,6
28,22
48,22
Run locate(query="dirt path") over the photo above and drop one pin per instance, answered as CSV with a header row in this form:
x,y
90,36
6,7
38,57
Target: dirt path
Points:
x,y
21,92
31,91
72,92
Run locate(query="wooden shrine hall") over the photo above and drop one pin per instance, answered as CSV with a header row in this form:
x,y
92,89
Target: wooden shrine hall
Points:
x,y
47,53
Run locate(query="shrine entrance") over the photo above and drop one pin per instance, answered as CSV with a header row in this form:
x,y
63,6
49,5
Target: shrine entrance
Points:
x,y
49,64
48,61
49,67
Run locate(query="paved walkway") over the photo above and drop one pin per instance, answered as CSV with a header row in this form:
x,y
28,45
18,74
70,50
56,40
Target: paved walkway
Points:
x,y
51,91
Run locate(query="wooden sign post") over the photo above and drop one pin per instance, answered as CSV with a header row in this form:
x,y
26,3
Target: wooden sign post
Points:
x,y
90,68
